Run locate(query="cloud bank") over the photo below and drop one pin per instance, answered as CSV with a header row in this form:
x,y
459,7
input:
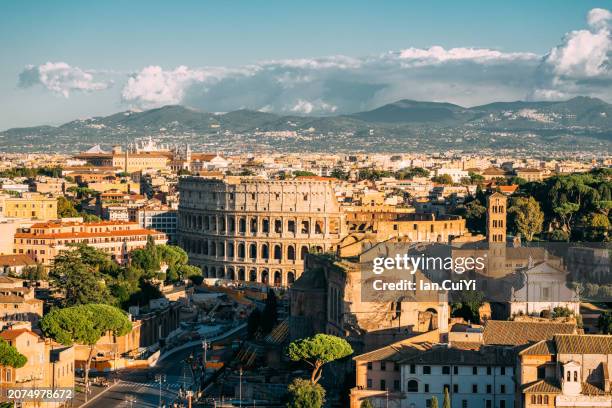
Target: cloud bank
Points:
x,y
61,78
579,65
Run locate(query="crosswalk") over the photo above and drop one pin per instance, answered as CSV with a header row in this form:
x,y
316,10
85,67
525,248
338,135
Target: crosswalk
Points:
x,y
170,386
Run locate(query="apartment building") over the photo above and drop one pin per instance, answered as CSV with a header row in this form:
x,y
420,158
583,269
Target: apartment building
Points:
x,y
18,303
43,241
49,365
29,205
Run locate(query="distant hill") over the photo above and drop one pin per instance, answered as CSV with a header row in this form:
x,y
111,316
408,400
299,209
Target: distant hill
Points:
x,y
406,111
405,124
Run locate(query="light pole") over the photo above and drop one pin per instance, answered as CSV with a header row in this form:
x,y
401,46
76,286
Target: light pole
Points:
x,y
131,400
240,388
160,378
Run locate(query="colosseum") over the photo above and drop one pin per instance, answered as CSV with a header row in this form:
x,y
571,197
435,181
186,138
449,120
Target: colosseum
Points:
x,y
257,230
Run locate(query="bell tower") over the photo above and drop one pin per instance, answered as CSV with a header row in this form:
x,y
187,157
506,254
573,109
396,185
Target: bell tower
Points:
x,y
496,218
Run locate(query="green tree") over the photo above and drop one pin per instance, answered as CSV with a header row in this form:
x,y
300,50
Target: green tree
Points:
x,y
443,179
65,208
528,217
366,403
35,273
318,350
10,357
76,275
339,174
604,322
434,402
305,394
475,216
303,173
468,306
566,211
85,324
475,178
446,403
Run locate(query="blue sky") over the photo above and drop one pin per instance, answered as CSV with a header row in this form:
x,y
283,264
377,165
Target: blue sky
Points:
x,y
111,41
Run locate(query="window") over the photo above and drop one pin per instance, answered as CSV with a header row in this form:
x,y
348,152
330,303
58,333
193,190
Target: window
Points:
x,y
488,370
396,367
475,370
502,404
474,388
503,371
464,404
489,388
445,370
456,370
502,388
383,385
396,385
541,372
575,376
455,388
369,383
546,399
488,404
426,370
383,366
426,386
369,365
413,386
412,369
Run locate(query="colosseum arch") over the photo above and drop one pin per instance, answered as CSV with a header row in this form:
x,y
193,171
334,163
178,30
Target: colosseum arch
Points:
x,y
291,253
278,278
278,253
242,225
265,251
265,276
253,228
303,252
290,277
252,275
241,274
230,274
241,250
253,250
319,227
265,225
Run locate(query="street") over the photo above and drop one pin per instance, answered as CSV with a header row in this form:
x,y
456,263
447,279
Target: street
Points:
x,y
140,388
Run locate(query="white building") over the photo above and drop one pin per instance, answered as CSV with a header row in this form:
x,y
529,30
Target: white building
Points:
x,y
456,174
481,378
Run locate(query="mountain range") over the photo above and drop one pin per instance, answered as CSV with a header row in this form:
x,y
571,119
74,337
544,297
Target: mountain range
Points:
x,y
405,124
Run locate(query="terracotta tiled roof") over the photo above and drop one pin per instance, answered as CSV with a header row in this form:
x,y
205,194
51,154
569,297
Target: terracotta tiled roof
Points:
x,y
16,260
519,333
584,344
542,348
13,334
590,389
547,386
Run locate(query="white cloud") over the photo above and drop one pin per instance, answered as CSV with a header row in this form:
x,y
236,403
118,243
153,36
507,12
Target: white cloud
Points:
x,y
437,54
581,64
338,84
599,18
61,78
